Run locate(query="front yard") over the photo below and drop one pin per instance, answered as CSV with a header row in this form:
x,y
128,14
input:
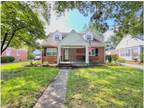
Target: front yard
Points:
x,y
105,87
96,87
24,85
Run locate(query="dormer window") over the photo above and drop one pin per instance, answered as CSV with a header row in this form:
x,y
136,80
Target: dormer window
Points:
x,y
57,36
88,36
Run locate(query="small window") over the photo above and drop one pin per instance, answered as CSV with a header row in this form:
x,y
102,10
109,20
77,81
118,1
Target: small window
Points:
x,y
57,37
88,36
51,51
93,52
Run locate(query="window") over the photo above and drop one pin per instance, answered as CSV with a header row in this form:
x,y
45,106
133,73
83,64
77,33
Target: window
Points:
x,y
93,52
57,37
135,51
51,51
96,51
88,36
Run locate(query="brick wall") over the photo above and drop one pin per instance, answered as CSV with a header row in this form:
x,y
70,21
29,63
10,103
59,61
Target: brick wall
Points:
x,y
74,55
99,58
18,54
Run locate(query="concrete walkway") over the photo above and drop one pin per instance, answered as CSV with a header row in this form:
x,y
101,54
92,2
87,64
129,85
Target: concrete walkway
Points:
x,y
140,67
54,95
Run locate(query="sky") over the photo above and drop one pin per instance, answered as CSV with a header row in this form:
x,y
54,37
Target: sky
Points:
x,y
72,20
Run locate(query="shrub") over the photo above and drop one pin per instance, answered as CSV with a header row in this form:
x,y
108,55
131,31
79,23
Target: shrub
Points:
x,y
109,58
114,57
7,59
121,60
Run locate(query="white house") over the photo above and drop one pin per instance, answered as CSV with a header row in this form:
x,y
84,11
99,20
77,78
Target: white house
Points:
x,y
130,48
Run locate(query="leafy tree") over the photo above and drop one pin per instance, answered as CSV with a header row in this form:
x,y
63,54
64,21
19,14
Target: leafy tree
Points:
x,y
128,15
20,25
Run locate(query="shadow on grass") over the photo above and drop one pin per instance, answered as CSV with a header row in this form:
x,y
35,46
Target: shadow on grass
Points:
x,y
23,91
105,87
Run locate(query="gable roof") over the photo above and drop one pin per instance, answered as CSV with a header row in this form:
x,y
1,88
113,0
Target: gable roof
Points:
x,y
129,41
72,38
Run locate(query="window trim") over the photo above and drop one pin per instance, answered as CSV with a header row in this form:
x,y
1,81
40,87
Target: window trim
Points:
x,y
94,52
51,51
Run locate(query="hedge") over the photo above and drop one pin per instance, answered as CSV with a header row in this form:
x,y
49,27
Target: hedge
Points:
x,y
7,59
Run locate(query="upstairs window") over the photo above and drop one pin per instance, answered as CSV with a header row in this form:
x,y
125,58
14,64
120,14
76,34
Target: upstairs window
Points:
x,y
57,36
88,36
51,51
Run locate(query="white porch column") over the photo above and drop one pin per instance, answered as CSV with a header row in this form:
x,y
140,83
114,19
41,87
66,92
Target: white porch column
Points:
x,y
59,54
87,55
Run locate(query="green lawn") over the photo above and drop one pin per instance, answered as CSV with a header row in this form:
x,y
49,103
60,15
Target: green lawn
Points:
x,y
105,87
13,66
23,90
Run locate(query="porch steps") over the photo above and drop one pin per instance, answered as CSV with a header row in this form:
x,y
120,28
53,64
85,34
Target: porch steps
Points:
x,y
65,65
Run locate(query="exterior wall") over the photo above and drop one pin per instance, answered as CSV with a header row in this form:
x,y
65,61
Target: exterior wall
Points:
x,y
98,59
21,55
75,54
18,54
49,59
130,56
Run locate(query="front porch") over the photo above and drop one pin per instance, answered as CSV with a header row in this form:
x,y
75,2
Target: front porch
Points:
x,y
73,55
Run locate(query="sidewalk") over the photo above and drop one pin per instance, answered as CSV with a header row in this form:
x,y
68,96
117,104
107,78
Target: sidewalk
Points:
x,y
54,95
140,67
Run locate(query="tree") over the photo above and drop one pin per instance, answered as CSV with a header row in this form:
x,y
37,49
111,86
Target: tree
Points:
x,y
20,25
128,16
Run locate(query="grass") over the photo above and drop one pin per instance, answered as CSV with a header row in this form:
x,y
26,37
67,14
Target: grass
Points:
x,y
105,87
13,66
23,90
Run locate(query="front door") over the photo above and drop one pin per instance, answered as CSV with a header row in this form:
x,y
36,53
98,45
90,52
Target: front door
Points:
x,y
66,54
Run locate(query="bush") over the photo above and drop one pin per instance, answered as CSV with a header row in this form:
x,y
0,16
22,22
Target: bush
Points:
x,y
7,59
121,60
114,57
109,58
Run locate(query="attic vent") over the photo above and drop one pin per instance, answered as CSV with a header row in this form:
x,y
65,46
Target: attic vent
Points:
x,y
57,36
88,36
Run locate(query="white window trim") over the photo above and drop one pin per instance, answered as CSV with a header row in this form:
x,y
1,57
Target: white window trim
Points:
x,y
94,52
51,50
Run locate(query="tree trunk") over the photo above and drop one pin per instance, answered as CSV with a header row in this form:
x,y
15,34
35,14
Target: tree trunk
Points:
x,y
9,41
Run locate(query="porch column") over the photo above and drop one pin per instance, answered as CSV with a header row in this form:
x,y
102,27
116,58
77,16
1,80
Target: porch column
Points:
x,y
59,54
87,55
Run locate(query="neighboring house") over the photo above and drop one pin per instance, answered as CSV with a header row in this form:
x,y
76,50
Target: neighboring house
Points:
x,y
73,48
18,54
130,48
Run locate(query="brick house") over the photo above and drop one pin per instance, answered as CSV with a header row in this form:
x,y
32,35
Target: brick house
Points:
x,y
73,48
18,54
